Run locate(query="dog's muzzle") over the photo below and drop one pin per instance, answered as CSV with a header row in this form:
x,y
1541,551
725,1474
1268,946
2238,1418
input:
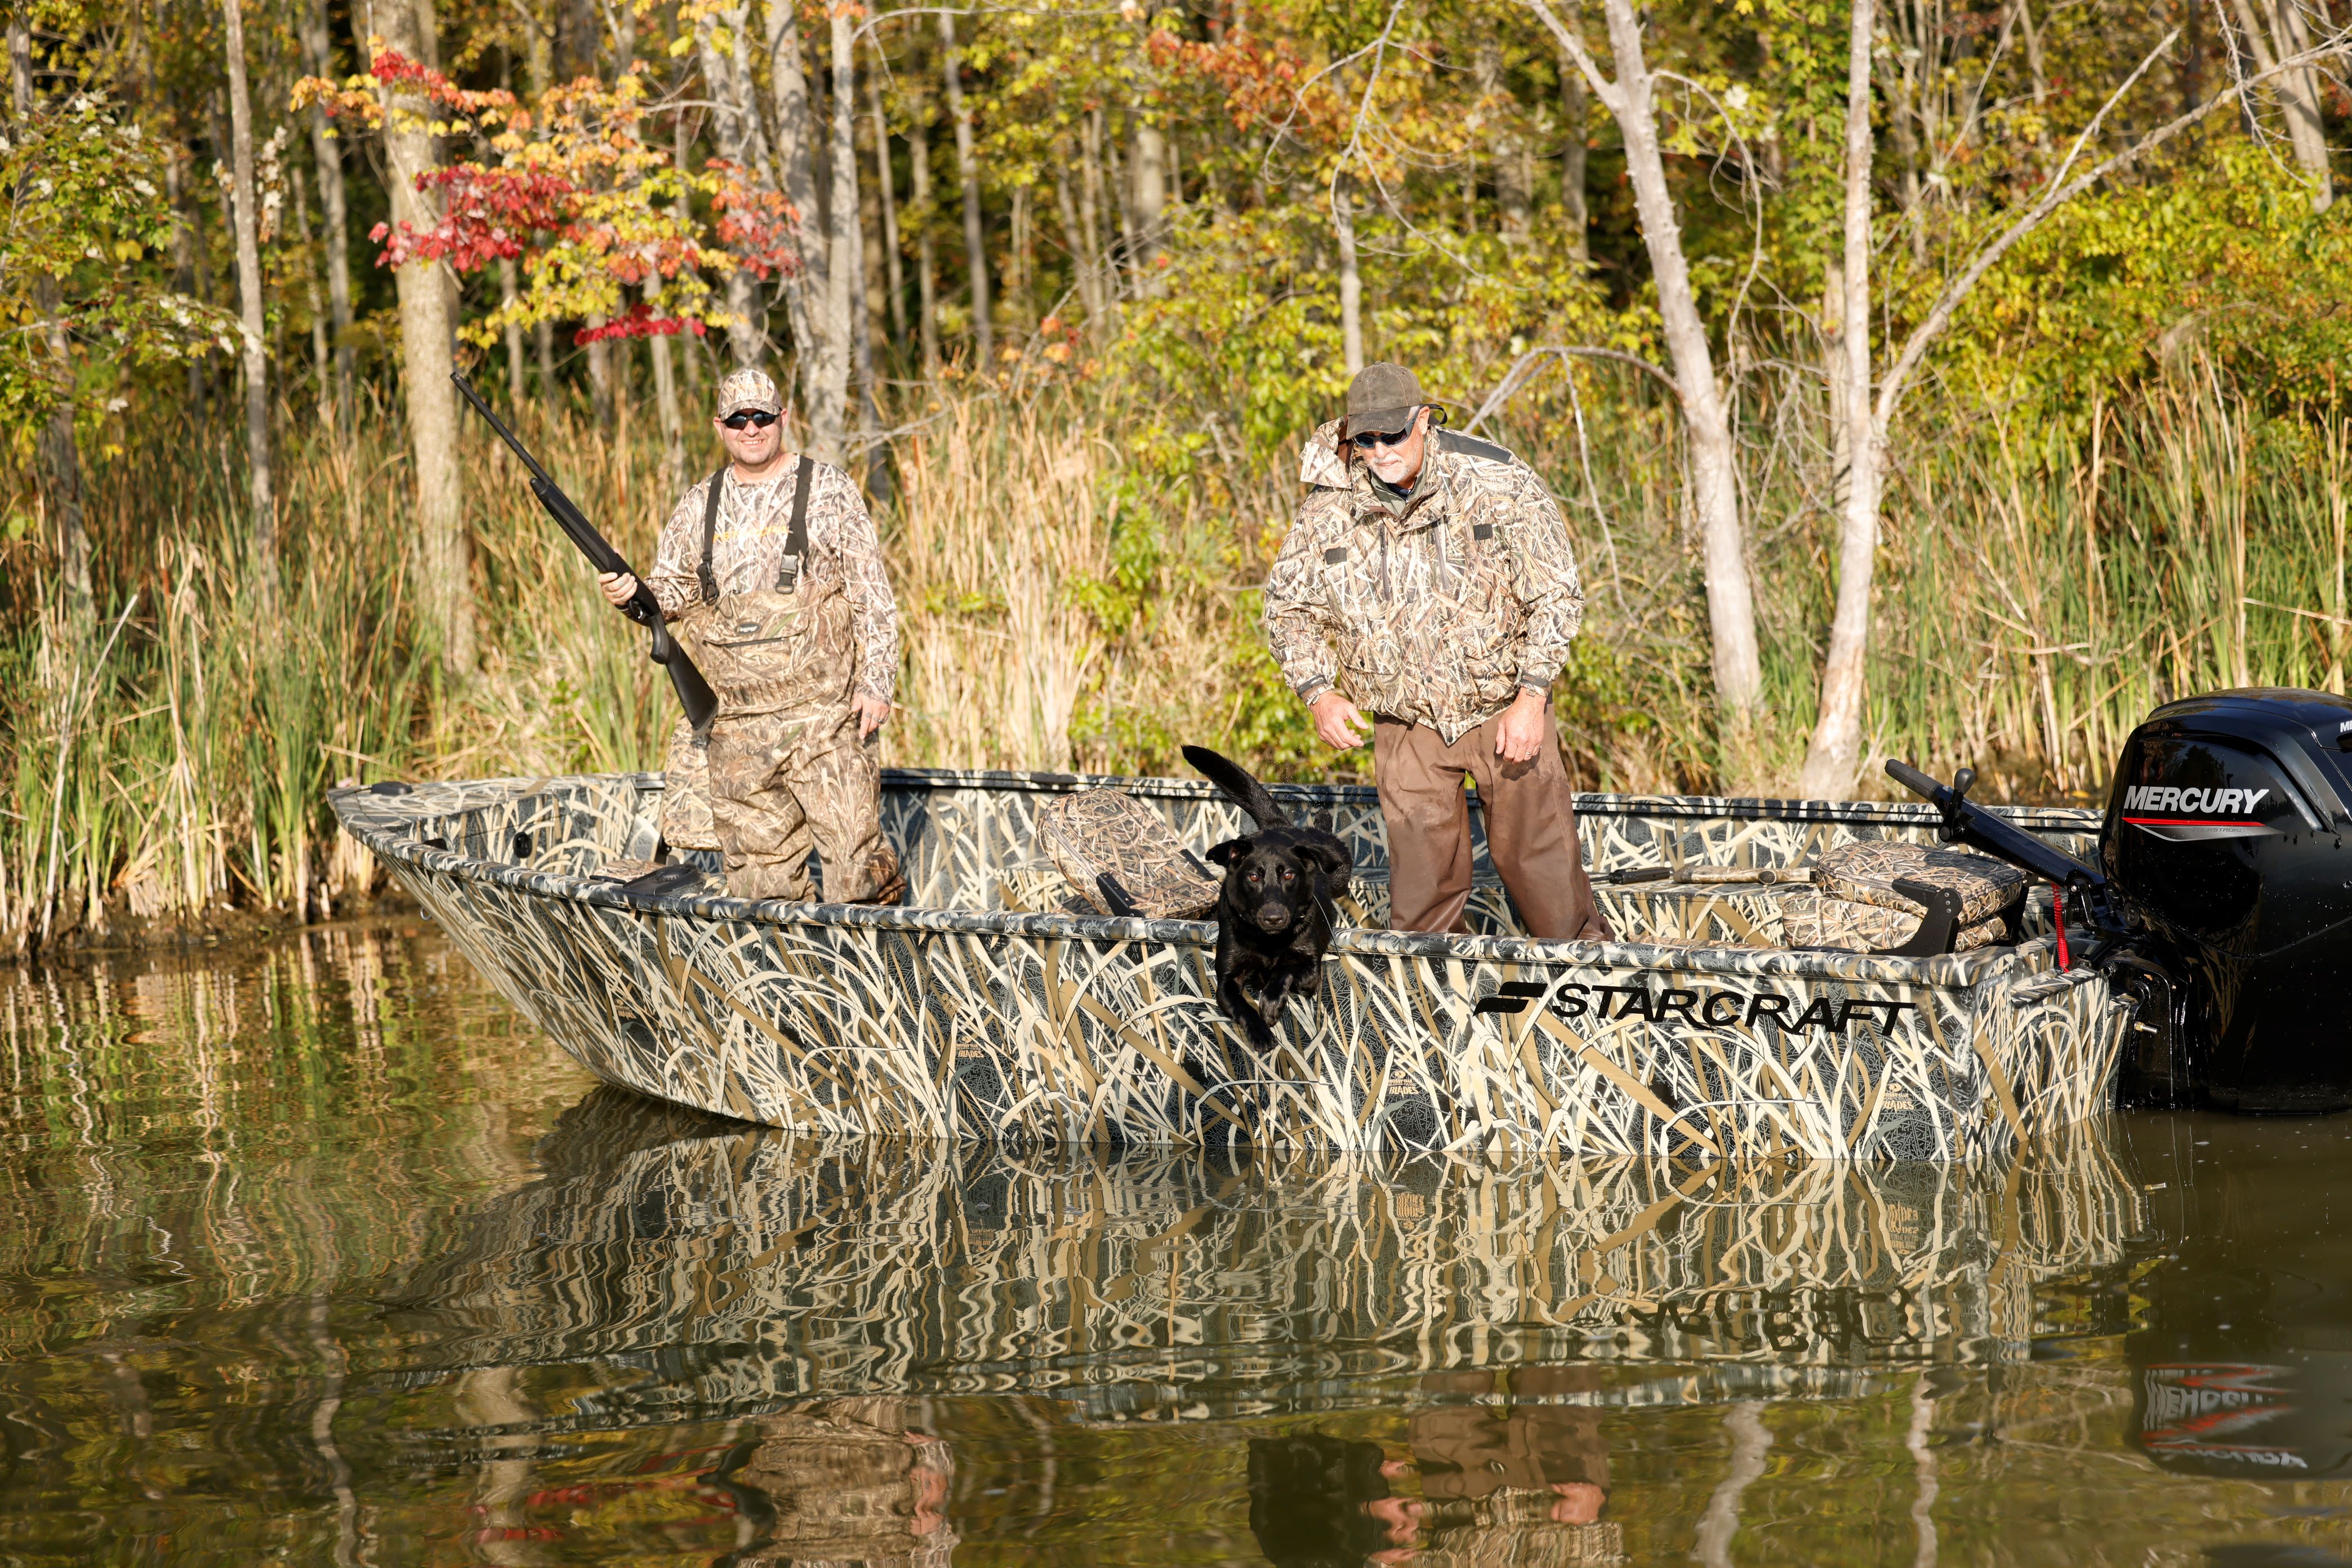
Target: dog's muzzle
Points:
x,y
1273,916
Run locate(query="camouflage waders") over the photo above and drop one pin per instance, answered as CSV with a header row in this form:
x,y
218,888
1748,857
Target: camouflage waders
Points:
x,y
787,770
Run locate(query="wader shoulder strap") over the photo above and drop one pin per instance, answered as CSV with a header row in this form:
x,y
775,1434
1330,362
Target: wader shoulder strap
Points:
x,y
710,527
796,541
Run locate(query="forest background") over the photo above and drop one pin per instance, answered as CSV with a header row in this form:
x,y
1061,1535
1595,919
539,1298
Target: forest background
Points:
x,y
1949,379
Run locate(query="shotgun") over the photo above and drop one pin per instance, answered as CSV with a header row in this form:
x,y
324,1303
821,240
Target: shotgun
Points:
x,y
694,693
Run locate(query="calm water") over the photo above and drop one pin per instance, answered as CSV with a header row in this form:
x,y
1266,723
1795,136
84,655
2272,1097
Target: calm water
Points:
x,y
313,1254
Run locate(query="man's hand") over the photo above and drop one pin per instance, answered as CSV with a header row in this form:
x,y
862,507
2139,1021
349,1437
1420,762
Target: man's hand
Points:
x,y
871,713
1519,736
619,587
1339,723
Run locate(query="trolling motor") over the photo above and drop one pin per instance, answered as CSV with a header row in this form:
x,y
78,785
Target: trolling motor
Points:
x,y
2222,901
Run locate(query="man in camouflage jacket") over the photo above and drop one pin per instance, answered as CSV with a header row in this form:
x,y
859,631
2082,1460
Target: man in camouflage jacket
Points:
x,y
1428,581
773,571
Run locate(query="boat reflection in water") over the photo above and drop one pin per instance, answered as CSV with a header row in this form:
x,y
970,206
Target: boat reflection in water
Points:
x,y
2241,1355
830,1298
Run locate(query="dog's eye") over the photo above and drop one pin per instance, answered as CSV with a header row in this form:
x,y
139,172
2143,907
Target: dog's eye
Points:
x,y
1255,875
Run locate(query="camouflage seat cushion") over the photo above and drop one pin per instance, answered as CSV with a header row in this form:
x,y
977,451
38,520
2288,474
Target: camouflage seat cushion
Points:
x,y
1107,830
1819,920
1865,873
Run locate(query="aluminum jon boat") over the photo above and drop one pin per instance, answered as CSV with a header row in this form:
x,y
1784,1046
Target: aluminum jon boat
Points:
x,y
983,1010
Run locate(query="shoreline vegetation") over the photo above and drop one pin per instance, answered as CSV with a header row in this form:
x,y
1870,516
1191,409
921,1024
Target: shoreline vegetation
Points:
x,y
1954,383
169,762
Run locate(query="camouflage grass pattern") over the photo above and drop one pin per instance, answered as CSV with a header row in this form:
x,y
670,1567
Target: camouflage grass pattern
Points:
x,y
1866,874
955,1018
1177,1281
1816,920
1100,832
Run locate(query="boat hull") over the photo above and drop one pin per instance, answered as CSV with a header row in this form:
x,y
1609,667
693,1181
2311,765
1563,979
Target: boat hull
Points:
x,y
961,1018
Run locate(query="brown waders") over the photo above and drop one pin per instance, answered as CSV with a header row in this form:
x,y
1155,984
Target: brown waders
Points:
x,y
787,768
1530,811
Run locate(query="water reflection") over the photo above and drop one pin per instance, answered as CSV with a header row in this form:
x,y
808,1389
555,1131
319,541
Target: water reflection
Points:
x,y
765,1267
2243,1357
311,1253
668,1268
845,1480
1522,1480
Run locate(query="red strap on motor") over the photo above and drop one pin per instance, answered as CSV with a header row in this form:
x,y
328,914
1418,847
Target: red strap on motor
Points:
x,y
2058,918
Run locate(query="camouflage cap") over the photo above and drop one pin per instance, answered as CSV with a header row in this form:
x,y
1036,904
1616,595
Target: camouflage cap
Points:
x,y
1382,399
749,389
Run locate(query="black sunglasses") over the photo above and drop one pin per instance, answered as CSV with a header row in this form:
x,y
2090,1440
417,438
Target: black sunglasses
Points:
x,y
743,416
1367,440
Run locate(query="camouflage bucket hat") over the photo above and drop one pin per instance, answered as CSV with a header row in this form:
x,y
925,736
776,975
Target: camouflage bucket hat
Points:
x,y
749,389
1382,399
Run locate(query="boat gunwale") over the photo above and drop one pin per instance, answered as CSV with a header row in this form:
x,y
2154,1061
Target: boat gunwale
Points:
x,y
1955,972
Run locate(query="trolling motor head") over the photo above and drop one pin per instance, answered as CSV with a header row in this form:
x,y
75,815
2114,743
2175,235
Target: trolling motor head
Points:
x,y
1966,822
2221,900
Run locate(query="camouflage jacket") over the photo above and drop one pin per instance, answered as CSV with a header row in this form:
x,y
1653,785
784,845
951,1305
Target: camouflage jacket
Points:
x,y
1437,617
747,553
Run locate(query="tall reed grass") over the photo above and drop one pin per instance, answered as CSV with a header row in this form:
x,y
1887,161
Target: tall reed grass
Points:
x,y
1070,601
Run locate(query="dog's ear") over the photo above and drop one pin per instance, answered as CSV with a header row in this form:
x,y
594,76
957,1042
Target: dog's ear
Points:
x,y
1231,850
1331,859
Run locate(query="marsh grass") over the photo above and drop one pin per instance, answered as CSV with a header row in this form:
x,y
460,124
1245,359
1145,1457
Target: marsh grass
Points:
x,y
1066,604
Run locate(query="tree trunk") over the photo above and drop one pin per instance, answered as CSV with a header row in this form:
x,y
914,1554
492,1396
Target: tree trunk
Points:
x,y
735,125
443,563
1836,753
509,291
1077,235
1506,145
1834,376
1903,117
1715,480
975,249
673,428
820,335
57,449
247,217
327,157
689,351
322,353
1020,262
851,345
1090,215
1106,146
600,379
886,189
1151,202
1351,281
2297,89
1575,134
927,260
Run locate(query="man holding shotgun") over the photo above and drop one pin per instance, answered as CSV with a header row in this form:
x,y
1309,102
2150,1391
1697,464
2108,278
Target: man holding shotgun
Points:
x,y
771,569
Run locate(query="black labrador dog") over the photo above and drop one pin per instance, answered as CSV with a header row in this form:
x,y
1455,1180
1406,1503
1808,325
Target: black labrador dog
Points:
x,y
1273,915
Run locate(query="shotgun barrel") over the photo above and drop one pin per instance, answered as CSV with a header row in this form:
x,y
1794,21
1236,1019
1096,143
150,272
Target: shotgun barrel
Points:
x,y
694,693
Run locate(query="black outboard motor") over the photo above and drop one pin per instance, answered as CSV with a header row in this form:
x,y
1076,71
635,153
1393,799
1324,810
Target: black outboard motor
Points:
x,y
2225,844
2221,901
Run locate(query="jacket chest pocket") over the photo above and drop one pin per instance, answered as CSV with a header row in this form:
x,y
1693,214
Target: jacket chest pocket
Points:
x,y
1353,581
1479,569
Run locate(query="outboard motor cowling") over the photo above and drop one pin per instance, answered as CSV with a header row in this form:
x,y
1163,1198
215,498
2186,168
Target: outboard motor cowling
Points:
x,y
2225,842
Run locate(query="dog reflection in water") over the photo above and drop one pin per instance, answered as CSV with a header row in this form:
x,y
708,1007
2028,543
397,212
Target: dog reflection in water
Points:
x,y
841,1480
1524,1485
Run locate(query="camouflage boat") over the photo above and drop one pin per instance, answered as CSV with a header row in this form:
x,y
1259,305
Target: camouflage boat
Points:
x,y
997,1006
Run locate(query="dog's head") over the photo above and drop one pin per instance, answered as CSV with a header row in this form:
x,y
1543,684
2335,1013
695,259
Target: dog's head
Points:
x,y
1273,877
